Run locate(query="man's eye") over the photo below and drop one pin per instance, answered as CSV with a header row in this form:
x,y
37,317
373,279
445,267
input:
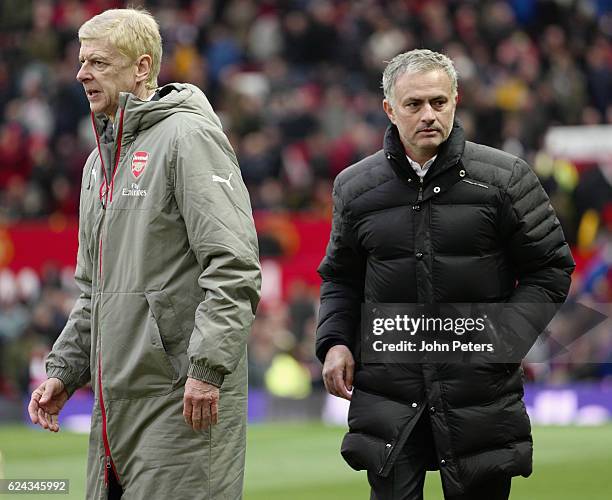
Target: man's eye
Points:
x,y
99,64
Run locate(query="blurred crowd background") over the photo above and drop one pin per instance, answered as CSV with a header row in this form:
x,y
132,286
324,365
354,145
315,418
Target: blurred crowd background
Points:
x,y
297,86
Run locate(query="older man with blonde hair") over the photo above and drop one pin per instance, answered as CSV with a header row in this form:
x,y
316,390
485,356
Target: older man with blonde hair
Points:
x,y
169,276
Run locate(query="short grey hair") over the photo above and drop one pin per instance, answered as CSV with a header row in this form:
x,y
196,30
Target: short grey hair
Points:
x,y
417,61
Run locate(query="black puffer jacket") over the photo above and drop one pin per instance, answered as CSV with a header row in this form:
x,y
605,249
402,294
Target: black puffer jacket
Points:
x,y
479,228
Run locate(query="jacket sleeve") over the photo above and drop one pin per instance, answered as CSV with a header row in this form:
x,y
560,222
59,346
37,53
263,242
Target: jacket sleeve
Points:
x,y
69,359
541,259
342,271
221,232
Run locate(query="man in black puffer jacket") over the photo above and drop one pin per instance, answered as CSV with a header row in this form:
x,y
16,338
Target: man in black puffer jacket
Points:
x,y
431,219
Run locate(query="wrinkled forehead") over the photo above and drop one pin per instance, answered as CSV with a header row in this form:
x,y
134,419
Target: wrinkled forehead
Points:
x,y
98,47
423,84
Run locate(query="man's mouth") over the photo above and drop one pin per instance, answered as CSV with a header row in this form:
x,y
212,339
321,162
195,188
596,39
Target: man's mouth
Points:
x,y
92,93
428,130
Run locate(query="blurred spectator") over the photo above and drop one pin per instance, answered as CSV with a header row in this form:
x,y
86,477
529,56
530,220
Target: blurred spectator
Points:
x,y
294,79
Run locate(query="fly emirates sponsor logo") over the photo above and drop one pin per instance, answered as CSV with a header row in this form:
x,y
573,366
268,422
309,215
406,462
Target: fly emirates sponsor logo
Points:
x,y
134,190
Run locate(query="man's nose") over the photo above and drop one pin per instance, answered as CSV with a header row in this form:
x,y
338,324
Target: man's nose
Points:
x,y
428,114
83,74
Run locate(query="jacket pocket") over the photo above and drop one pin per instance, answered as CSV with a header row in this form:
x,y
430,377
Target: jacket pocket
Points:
x,y
378,430
135,363
170,334
157,342
365,452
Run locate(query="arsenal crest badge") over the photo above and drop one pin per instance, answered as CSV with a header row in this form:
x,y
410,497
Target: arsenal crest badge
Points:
x,y
139,162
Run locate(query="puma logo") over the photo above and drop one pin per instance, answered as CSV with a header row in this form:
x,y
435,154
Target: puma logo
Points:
x,y
216,178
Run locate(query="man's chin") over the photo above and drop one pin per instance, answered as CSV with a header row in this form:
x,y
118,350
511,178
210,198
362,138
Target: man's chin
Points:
x,y
430,142
96,109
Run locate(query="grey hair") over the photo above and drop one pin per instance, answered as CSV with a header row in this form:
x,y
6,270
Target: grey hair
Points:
x,y
417,61
133,32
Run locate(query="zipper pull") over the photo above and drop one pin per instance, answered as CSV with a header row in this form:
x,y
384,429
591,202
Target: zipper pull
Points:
x,y
107,469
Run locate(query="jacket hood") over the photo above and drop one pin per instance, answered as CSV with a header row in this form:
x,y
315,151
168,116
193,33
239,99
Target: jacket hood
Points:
x,y
174,98
449,152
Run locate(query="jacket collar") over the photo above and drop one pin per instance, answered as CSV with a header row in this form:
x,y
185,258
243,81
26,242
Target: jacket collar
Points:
x,y
173,98
449,153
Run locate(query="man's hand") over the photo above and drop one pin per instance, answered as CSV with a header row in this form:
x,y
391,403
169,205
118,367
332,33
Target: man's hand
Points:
x,y
46,402
200,404
338,371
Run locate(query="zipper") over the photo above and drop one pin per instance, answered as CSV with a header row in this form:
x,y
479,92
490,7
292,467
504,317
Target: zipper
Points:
x,y
392,449
108,459
420,198
102,194
117,155
107,187
100,261
104,199
107,469
107,455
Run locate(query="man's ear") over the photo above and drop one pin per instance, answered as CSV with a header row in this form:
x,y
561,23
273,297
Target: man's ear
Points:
x,y
389,110
143,67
